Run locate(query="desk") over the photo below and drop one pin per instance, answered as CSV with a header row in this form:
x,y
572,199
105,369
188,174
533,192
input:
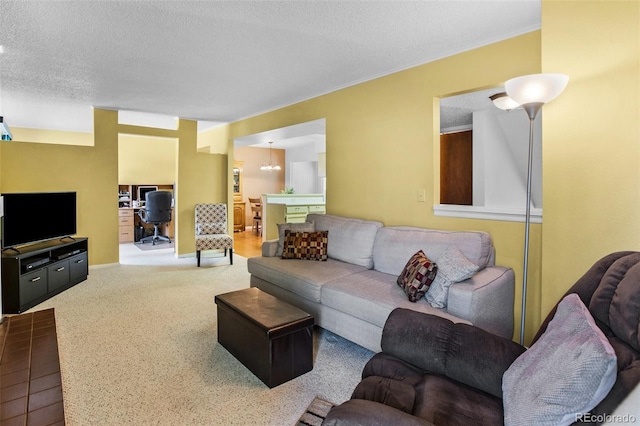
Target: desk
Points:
x,y
128,219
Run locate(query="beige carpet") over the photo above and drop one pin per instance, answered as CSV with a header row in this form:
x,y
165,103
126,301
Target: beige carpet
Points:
x,y
138,346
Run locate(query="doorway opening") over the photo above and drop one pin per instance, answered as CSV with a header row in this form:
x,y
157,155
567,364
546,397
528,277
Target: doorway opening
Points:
x,y
300,151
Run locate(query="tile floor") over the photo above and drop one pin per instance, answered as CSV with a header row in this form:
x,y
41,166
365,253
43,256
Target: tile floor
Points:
x,y
30,382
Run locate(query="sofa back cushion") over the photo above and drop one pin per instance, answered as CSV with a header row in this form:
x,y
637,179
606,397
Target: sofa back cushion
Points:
x,y
610,289
616,301
395,245
349,240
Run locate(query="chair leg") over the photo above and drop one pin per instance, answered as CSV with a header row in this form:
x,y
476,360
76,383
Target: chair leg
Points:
x,y
155,237
225,254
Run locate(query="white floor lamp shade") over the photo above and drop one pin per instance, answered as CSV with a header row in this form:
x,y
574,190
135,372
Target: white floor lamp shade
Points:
x,y
536,88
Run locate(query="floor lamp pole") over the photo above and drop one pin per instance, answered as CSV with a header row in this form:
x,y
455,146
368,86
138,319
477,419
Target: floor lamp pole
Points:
x,y
530,92
532,110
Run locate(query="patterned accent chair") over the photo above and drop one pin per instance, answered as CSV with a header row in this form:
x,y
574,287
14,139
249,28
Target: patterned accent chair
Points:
x,y
211,230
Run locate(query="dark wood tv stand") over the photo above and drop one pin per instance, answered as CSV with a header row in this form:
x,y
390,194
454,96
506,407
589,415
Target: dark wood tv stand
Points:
x,y
34,273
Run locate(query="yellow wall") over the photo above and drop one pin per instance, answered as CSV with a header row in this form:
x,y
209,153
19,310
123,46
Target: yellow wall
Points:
x,y
214,140
202,178
57,137
381,150
591,134
144,159
382,147
92,172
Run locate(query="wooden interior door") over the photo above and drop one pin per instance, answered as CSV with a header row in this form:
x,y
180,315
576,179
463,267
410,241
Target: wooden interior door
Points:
x,y
456,168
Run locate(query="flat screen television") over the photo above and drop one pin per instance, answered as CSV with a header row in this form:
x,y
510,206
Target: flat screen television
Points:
x,y
37,216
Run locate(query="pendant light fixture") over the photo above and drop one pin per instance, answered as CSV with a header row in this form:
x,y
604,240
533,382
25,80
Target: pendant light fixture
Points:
x,y
270,166
503,101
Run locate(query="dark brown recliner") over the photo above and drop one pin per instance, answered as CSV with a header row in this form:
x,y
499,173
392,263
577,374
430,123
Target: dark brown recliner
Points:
x,y
432,371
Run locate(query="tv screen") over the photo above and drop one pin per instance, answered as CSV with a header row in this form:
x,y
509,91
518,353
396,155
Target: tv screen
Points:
x,y
37,216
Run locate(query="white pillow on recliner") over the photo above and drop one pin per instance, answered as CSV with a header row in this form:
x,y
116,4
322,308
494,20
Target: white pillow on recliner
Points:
x,y
567,372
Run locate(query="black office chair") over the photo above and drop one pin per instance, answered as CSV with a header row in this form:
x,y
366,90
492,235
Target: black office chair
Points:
x,y
157,210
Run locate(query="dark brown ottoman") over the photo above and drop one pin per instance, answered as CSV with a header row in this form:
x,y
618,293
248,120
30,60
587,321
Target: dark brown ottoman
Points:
x,y
270,337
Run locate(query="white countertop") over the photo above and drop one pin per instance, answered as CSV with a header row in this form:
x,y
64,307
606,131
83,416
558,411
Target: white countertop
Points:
x,y
294,199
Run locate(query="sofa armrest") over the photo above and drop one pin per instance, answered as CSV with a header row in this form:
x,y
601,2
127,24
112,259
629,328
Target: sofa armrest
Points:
x,y
269,248
462,352
486,300
358,412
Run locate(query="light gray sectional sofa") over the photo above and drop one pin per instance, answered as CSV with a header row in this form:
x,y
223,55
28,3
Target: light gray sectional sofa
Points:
x,y
354,291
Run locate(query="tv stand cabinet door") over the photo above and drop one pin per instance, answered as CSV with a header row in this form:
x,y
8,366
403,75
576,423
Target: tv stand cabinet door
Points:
x,y
78,268
32,286
58,275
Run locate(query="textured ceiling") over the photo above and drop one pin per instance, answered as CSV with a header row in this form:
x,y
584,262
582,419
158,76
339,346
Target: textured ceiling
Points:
x,y
222,60
457,111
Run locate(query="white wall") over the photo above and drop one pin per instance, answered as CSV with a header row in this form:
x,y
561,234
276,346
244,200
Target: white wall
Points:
x,y
304,177
500,155
301,172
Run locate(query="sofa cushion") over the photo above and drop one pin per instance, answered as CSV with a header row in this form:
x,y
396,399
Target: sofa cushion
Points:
x,y
350,240
391,392
394,245
453,267
437,399
616,302
299,227
417,276
442,401
362,412
305,279
371,296
466,354
567,372
305,245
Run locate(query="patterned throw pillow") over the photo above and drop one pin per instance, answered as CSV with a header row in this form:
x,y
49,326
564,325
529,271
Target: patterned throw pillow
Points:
x,y
299,227
210,228
417,276
305,245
